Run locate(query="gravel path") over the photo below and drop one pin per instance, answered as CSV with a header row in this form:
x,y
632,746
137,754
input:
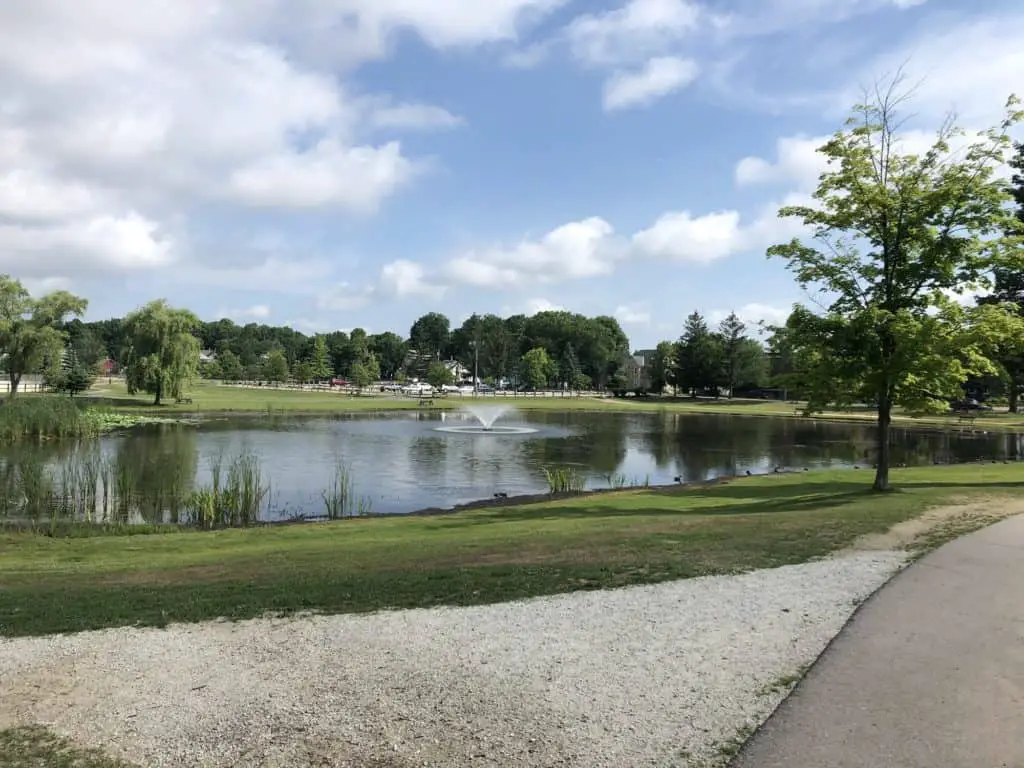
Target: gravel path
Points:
x,y
645,676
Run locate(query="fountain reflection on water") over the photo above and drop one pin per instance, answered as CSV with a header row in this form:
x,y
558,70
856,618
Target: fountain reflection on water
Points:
x,y
486,415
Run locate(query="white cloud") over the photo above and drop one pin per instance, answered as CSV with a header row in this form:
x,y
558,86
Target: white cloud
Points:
x,y
279,274
528,57
119,119
98,244
656,79
628,315
356,178
531,307
639,30
407,278
753,315
682,237
343,297
798,164
969,65
255,312
797,161
576,250
28,194
410,116
306,325
763,17
42,286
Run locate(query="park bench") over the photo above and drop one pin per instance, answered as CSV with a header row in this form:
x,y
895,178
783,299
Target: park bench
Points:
x,y
424,401
183,401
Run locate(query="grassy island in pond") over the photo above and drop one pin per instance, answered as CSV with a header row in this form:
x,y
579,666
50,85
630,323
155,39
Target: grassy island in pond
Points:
x,y
46,417
606,540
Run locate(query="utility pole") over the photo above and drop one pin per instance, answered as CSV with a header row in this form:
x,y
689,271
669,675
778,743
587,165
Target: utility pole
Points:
x,y
476,367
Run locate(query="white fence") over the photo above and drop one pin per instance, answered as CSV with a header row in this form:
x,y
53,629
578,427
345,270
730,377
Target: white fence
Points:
x,y
28,384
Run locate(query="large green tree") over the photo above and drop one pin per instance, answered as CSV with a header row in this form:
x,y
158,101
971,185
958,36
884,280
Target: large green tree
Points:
x,y
231,368
890,233
661,367
365,372
699,364
275,366
439,375
390,350
30,329
536,368
430,334
1008,288
162,353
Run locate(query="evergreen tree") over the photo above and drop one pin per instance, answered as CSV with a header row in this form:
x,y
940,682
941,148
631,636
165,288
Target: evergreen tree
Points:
x,y
698,357
732,334
320,359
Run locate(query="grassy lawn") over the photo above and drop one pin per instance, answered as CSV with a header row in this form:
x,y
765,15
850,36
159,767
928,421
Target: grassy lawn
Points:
x,y
207,397
52,585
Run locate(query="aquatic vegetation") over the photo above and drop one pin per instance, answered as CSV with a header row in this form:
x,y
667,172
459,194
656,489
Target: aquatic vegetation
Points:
x,y
340,499
564,480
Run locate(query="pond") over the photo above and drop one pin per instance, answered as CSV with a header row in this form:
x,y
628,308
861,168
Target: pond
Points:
x,y
402,462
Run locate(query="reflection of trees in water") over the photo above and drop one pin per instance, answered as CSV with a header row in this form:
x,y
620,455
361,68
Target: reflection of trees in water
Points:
x,y
702,446
159,466
427,457
31,476
599,444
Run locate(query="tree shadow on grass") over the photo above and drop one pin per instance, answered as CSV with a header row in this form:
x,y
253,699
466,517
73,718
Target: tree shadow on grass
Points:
x,y
798,501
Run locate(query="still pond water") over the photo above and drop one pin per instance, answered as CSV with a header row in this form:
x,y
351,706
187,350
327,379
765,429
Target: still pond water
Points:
x,y
400,462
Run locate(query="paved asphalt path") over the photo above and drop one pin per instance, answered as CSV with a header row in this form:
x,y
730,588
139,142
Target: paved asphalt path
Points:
x,y
928,674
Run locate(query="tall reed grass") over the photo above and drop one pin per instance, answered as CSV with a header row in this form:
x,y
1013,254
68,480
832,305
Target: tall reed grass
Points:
x,y
87,487
340,498
564,480
46,416
233,499
619,481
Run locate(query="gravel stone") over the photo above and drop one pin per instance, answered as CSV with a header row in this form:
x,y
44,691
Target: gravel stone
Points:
x,y
644,676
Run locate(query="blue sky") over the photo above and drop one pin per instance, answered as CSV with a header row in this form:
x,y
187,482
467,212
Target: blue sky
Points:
x,y
329,164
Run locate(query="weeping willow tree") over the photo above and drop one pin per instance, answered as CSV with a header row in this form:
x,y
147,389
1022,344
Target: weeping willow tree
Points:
x,y
893,233
162,355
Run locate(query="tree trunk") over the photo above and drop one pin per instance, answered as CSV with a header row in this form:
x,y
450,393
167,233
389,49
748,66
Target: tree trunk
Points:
x,y
884,422
159,393
15,379
1014,396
